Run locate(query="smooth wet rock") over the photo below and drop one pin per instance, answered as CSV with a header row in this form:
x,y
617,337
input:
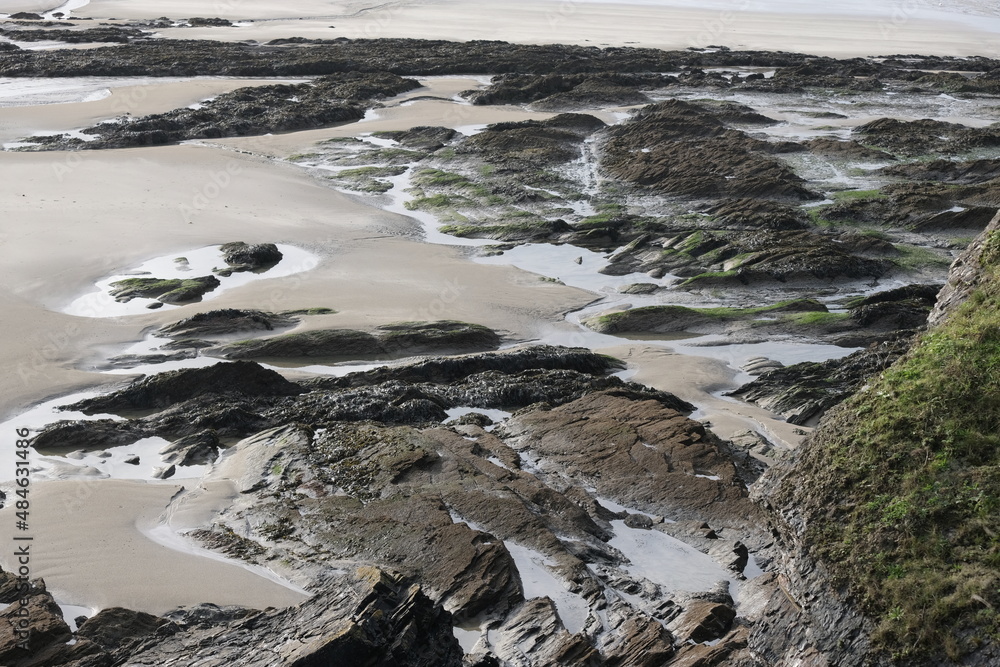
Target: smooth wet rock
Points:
x,y
117,628
165,472
240,378
224,322
90,434
402,339
197,449
170,291
256,257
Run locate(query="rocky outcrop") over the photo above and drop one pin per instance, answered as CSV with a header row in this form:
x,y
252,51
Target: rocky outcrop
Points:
x,y
803,392
657,460
519,145
400,339
682,149
921,137
240,378
171,290
966,273
671,319
420,137
569,92
67,436
924,207
848,150
255,257
739,258
247,111
947,171
226,322
102,34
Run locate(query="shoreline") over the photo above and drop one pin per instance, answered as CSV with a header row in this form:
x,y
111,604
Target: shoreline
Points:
x,y
897,30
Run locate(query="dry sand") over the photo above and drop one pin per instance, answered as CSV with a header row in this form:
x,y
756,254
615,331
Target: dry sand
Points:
x,y
834,31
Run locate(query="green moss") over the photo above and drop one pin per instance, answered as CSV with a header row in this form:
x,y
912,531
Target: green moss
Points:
x,y
817,318
514,231
708,276
438,178
371,172
911,469
433,201
853,195
917,257
616,321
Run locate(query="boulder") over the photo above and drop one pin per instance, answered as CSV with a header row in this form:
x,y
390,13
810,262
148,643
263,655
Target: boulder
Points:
x,y
256,257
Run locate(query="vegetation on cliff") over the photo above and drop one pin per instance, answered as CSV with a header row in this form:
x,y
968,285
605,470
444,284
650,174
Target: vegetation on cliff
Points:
x,y
903,497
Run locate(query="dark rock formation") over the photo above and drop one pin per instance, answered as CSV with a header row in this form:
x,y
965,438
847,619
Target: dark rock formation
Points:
x,y
420,137
248,111
734,258
196,449
848,150
174,290
367,617
803,392
683,149
947,171
240,378
401,339
255,257
756,214
225,322
107,34
525,145
65,436
920,137
669,319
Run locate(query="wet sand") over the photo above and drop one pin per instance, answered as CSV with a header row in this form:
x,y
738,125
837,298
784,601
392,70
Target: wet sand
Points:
x,y
91,547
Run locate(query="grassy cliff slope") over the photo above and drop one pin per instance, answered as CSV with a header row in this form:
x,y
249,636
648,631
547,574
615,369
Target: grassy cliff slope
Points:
x,y
900,487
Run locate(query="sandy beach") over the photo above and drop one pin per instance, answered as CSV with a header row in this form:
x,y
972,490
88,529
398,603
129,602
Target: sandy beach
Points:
x,y
853,29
